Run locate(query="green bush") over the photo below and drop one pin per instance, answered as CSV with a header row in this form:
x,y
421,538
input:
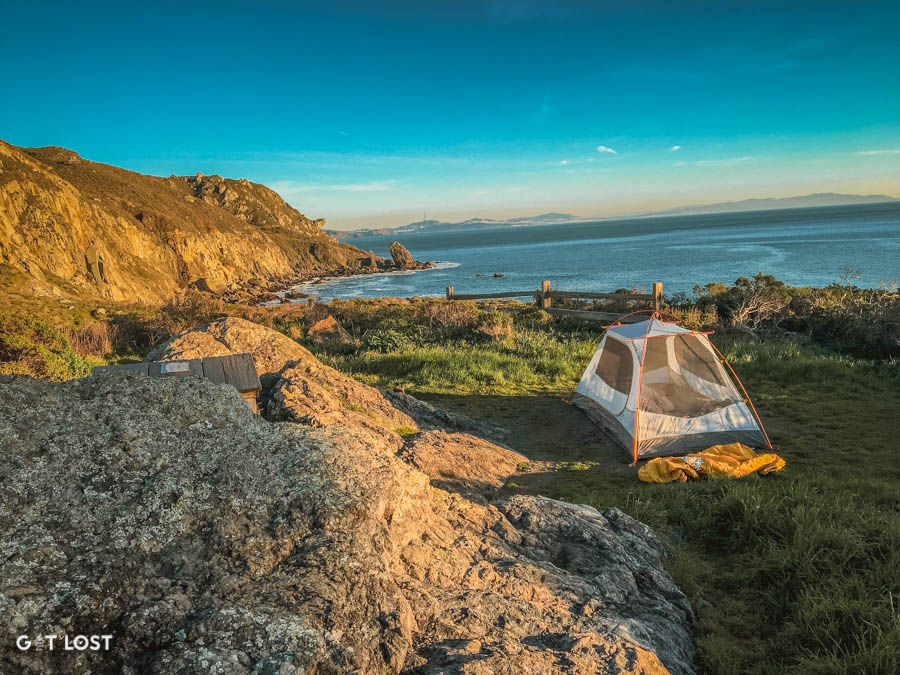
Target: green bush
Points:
x,y
29,346
386,340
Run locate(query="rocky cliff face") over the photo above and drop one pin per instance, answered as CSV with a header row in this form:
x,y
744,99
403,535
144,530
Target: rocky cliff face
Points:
x,y
204,538
69,225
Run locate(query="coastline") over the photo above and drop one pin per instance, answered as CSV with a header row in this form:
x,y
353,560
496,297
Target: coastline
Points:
x,y
300,291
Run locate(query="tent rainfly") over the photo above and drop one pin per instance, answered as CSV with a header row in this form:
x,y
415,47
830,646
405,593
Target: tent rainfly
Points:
x,y
661,389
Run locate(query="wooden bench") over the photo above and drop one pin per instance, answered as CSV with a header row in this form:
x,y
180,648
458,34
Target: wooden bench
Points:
x,y
237,370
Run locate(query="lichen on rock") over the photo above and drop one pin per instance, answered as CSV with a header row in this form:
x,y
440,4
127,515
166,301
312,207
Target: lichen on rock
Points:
x,y
205,538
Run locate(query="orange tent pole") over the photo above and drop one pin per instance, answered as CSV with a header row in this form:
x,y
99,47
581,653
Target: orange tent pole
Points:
x,y
637,402
618,322
746,397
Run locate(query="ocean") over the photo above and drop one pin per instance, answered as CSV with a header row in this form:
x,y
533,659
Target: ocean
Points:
x,y
802,247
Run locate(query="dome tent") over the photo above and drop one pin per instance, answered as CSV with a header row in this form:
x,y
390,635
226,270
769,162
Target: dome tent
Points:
x,y
661,389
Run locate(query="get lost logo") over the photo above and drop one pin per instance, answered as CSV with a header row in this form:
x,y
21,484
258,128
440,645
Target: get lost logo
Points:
x,y
68,643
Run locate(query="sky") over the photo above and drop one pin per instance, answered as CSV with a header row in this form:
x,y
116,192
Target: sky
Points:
x,y
375,113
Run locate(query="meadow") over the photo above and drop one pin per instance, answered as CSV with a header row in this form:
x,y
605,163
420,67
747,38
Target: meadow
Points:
x,y
797,572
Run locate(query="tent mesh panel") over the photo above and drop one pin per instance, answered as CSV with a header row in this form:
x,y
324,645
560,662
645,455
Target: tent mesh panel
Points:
x,y
615,366
668,392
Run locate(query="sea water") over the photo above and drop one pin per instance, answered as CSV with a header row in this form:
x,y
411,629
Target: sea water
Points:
x,y
802,247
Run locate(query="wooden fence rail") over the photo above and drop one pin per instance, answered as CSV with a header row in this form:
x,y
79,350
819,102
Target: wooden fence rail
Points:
x,y
544,298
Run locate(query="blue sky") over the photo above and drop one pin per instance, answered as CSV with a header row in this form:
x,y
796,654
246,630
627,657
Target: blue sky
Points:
x,y
372,113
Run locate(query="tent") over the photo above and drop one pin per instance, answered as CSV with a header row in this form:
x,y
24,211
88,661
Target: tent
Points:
x,y
661,389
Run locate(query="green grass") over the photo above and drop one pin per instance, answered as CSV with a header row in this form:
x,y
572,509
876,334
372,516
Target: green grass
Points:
x,y
527,362
797,572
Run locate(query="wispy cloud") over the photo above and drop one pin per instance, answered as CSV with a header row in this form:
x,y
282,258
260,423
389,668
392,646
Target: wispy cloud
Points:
x,y
373,186
895,151
565,161
339,132
603,148
675,148
729,161
293,187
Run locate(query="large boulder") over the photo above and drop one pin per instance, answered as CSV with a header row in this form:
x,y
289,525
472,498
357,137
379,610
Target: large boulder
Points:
x,y
204,538
403,259
165,513
272,352
461,462
328,331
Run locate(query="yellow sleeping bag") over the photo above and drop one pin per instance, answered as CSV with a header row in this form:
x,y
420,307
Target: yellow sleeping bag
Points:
x,y
733,461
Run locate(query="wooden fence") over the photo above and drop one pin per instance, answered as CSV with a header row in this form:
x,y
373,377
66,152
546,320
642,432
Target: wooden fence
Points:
x,y
544,298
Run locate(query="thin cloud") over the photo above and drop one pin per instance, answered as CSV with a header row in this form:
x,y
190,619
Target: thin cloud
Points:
x,y
895,151
339,132
374,186
603,148
565,161
731,161
675,148
292,187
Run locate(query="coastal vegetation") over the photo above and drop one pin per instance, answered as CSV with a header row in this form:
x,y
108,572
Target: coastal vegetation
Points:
x,y
794,572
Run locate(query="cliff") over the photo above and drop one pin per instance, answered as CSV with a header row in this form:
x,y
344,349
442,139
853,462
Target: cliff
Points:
x,y
76,227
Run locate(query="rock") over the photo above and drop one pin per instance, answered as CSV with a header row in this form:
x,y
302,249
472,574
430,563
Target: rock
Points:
x,y
428,416
272,352
461,462
98,313
328,331
403,259
206,539
201,285
497,275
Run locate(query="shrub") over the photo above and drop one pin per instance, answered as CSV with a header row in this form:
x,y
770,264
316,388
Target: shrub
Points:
x,y
386,340
32,347
94,339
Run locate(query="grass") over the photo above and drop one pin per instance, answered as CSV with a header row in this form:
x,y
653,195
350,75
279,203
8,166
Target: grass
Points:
x,y
797,572
531,361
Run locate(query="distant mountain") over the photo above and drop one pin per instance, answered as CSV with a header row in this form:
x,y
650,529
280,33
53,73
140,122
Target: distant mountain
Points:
x,y
471,224
806,201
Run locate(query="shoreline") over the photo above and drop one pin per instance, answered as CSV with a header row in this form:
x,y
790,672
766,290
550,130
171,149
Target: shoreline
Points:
x,y
299,288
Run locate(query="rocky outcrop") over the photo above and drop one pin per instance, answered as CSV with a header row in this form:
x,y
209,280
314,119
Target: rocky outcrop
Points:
x,y
204,538
69,226
328,331
461,462
402,258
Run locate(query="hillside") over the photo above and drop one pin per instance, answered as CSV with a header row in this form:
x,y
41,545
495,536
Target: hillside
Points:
x,y
470,224
801,202
69,226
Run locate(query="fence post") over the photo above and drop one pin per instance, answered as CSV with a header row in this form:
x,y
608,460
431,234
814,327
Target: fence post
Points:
x,y
449,292
657,295
545,299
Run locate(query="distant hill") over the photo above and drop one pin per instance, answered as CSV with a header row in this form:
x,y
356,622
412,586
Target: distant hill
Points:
x,y
471,224
806,201
69,225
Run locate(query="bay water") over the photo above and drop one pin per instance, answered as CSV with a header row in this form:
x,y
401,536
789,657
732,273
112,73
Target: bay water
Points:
x,y
802,247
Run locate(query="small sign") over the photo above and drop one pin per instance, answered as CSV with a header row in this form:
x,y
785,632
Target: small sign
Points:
x,y
175,367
